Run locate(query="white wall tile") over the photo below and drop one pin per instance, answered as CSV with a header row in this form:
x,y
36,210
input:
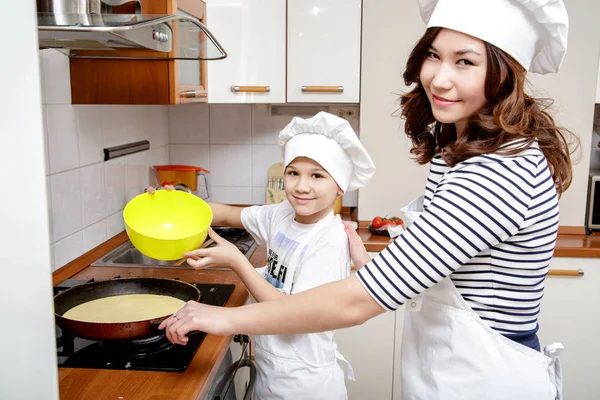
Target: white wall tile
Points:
x,y
263,157
114,224
57,77
137,174
114,128
231,165
65,191
158,156
94,235
259,195
135,118
157,123
266,128
53,266
42,85
114,173
45,130
49,197
68,249
231,195
93,193
190,154
89,129
230,123
63,147
189,124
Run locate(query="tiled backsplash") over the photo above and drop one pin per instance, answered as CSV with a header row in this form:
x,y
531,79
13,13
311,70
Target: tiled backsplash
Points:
x,y
237,143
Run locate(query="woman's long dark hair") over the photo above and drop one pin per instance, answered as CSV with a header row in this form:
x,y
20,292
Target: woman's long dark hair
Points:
x,y
509,114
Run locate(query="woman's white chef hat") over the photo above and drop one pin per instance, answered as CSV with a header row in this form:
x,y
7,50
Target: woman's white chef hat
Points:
x,y
533,32
330,141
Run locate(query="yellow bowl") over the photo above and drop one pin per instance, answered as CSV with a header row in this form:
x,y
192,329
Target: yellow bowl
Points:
x,y
167,224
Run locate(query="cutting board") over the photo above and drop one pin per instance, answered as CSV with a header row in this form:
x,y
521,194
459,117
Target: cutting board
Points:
x,y
275,192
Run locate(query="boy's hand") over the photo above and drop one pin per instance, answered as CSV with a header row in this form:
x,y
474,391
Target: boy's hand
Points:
x,y
224,254
151,189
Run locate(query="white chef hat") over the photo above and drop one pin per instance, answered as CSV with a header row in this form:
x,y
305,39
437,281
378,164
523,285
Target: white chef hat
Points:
x,y
330,141
533,32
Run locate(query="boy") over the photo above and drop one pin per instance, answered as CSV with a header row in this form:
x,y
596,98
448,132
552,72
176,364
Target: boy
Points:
x,y
307,247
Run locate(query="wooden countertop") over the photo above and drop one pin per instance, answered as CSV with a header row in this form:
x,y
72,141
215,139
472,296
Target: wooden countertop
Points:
x,y
567,244
193,383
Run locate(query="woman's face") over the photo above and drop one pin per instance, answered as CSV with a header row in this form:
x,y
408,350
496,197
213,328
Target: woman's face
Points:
x,y
453,76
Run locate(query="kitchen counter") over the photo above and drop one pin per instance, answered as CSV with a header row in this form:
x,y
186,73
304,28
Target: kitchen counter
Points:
x,y
567,244
193,383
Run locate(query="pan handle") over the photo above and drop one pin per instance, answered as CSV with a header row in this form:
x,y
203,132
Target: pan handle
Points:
x,y
156,323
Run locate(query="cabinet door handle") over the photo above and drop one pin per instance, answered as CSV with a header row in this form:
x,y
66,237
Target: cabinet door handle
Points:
x,y
251,89
192,94
566,272
322,89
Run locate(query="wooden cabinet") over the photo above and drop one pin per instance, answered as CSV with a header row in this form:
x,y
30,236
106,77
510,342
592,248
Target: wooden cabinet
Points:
x,y
323,51
307,53
569,314
253,34
370,350
108,81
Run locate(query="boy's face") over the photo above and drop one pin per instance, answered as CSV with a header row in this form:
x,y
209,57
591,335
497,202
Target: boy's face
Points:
x,y
310,190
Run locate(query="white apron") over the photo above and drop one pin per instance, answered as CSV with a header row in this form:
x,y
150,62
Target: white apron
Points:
x,y
449,353
282,373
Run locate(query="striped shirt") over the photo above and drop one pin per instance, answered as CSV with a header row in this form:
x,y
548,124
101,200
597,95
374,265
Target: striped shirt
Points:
x,y
490,223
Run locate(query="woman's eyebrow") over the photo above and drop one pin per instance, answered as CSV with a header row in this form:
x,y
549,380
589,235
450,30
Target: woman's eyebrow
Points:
x,y
459,52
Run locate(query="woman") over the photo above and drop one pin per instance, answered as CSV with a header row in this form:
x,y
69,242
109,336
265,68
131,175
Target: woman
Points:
x,y
473,264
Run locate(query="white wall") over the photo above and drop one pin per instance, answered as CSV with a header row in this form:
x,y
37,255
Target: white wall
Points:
x,y
86,195
28,368
237,143
390,29
574,92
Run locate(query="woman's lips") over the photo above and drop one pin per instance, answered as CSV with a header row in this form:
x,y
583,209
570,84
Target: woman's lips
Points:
x,y
440,101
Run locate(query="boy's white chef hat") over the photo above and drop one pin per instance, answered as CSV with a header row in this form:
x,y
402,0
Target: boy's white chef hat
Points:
x,y
533,32
330,141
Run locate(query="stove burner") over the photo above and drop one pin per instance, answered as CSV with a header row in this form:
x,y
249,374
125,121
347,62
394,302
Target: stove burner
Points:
x,y
155,353
137,347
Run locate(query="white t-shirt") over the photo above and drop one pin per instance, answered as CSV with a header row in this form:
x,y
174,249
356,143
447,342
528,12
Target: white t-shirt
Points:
x,y
326,258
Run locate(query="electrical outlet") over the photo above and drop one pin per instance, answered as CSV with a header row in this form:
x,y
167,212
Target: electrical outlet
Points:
x,y
344,112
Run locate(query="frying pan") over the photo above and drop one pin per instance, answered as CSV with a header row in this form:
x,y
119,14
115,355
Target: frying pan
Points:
x,y
70,298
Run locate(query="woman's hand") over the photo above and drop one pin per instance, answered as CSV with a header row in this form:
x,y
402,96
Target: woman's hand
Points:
x,y
224,254
151,189
358,252
197,317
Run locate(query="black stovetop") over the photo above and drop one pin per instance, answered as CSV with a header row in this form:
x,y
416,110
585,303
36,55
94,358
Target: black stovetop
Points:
x,y
152,354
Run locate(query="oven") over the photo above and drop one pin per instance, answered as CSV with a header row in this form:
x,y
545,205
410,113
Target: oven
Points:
x,y
593,203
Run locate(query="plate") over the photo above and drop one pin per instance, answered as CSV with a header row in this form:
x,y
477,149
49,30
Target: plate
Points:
x,y
381,232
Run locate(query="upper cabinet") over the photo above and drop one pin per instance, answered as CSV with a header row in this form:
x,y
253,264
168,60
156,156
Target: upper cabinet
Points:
x,y
316,60
253,34
107,81
323,53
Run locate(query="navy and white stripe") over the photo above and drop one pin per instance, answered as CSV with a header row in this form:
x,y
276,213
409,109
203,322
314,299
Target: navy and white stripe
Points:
x,y
489,223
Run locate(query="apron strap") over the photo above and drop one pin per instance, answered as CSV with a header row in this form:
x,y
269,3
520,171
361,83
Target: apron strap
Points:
x,y
554,351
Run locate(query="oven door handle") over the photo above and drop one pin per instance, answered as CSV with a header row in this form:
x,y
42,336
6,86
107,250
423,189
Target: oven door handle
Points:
x,y
230,375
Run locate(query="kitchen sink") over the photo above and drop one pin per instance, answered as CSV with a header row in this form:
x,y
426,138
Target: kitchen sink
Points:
x,y
126,255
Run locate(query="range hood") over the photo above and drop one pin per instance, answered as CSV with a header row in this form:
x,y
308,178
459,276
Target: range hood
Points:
x,y
90,29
